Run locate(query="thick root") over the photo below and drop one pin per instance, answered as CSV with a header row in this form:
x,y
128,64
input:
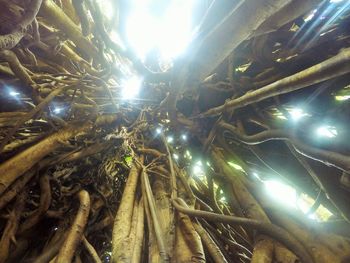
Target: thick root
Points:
x,y
76,231
123,219
22,162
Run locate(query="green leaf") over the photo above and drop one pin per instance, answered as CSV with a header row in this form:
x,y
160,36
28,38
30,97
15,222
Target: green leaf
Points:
x,y
128,160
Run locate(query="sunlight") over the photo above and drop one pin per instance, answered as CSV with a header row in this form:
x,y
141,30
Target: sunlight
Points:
x,y
334,10
342,98
115,37
305,203
57,110
297,113
159,130
294,113
131,87
14,93
280,116
169,33
106,8
188,155
256,175
336,1
281,192
327,131
310,16
286,195
197,169
235,166
222,198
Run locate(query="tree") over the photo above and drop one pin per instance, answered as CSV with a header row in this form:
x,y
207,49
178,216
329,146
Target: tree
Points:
x,y
87,176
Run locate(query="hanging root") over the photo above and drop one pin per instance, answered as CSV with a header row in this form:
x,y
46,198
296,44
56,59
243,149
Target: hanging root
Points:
x,y
123,219
81,12
139,232
328,69
10,40
12,226
91,251
64,84
30,13
188,243
76,231
338,160
32,113
60,20
50,252
16,66
266,228
209,243
16,188
152,216
22,162
45,201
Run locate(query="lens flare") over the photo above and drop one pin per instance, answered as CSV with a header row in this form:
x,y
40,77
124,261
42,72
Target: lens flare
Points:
x,y
131,88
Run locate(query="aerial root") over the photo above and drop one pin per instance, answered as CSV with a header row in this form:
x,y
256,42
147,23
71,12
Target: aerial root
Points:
x,y
45,201
22,162
75,234
267,228
11,227
91,251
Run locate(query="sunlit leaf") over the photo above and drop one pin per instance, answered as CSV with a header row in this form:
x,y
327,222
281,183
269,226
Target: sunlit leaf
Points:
x,y
128,160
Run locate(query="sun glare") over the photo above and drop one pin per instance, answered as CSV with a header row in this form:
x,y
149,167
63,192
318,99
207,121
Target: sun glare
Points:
x,y
57,110
297,113
169,32
106,8
131,87
197,169
281,192
327,131
14,93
